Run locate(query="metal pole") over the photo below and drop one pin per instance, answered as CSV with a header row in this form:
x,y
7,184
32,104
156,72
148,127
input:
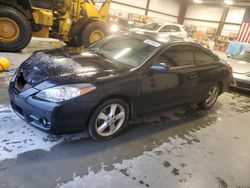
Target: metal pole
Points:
x,y
147,7
222,20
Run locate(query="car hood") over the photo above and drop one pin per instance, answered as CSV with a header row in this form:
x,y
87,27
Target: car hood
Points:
x,y
239,66
67,66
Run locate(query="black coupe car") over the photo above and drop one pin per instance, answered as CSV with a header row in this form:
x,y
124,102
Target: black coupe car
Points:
x,y
122,76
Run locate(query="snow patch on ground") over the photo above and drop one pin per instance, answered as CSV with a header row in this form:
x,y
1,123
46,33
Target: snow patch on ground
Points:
x,y
16,136
102,179
190,161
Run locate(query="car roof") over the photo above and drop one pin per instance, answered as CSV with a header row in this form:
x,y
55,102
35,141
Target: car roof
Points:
x,y
154,37
164,41
166,23
172,24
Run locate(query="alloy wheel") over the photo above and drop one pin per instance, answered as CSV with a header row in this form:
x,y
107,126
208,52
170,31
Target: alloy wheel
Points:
x,y
212,96
110,119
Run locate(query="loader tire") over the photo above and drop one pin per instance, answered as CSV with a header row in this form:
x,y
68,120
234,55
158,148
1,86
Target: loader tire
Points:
x,y
15,30
93,32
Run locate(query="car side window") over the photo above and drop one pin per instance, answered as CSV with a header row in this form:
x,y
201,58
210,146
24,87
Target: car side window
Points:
x,y
175,28
166,28
203,57
176,56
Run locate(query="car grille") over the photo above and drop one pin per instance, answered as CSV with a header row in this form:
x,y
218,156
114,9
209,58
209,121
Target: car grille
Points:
x,y
243,84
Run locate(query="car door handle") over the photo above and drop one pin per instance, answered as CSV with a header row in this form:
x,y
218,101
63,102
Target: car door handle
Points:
x,y
193,76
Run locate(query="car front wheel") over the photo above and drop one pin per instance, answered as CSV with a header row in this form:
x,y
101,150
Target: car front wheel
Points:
x,y
211,98
108,120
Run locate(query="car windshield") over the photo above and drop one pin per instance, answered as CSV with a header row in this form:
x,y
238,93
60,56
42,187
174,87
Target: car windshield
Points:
x,y
243,56
125,50
150,26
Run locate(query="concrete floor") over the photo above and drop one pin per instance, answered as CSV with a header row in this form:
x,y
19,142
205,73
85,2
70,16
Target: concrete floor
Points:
x,y
182,147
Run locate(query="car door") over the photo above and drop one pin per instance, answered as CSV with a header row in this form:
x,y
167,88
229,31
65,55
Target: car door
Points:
x,y
173,87
208,71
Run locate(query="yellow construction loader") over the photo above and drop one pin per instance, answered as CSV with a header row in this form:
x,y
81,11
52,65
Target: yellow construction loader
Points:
x,y
76,22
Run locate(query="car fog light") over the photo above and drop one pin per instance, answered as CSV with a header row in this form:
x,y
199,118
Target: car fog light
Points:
x,y
44,121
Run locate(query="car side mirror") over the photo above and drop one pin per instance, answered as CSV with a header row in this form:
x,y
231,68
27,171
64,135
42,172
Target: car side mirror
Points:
x,y
160,68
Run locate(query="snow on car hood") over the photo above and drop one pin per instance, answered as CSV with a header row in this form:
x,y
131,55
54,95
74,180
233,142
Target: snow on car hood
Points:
x,y
65,66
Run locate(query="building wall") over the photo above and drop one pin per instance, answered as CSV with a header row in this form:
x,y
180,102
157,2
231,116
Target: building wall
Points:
x,y
210,16
235,16
117,8
204,12
204,16
138,3
165,6
201,23
160,10
162,17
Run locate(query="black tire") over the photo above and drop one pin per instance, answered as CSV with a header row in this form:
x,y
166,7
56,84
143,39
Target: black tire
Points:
x,y
204,104
73,43
93,120
93,26
24,26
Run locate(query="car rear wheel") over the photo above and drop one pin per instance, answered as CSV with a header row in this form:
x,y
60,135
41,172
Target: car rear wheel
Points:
x,y
211,98
108,120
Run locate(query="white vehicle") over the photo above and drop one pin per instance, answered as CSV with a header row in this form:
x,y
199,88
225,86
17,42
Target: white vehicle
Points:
x,y
164,29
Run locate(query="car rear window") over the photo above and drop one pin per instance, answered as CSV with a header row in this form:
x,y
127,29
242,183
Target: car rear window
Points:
x,y
177,55
203,57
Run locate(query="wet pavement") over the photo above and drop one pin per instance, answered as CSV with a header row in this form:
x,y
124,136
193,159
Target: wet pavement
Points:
x,y
181,147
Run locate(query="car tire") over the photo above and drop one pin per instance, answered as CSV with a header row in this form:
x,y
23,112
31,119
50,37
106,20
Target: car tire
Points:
x,y
93,32
108,120
211,98
21,29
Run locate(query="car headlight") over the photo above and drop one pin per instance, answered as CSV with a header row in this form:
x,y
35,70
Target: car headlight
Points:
x,y
64,92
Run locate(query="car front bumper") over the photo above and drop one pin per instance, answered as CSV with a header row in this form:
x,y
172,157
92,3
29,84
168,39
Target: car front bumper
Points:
x,y
57,118
241,81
